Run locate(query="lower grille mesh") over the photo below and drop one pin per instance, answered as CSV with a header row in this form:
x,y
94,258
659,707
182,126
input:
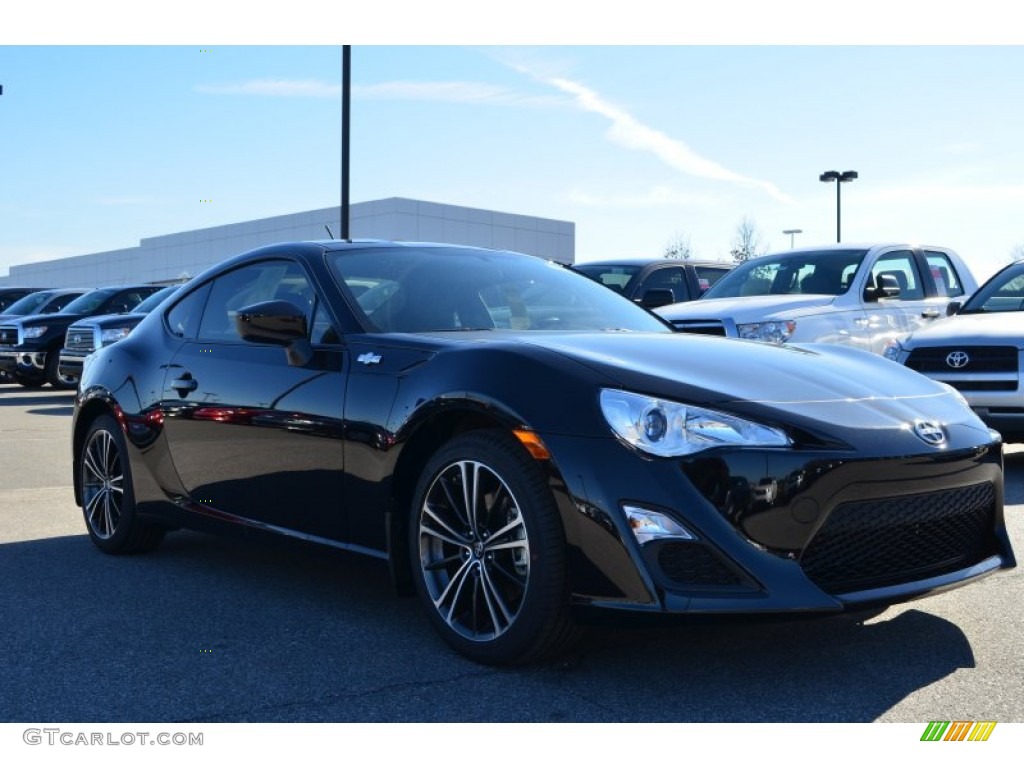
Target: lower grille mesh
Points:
x,y
871,544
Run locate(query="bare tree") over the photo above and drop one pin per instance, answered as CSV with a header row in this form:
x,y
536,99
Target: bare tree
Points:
x,y
1017,252
747,242
678,247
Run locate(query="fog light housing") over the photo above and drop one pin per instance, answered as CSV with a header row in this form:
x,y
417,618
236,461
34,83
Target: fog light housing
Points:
x,y
650,525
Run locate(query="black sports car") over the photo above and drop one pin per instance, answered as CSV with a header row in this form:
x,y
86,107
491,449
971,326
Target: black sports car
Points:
x,y
522,444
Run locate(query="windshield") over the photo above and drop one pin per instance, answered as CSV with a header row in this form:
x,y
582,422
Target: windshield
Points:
x,y
27,305
154,300
1002,293
88,302
411,289
827,273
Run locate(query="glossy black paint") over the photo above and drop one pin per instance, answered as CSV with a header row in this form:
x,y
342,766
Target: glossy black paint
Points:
x,y
230,435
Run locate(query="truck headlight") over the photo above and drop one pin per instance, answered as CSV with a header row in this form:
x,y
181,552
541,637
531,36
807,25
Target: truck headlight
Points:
x,y
774,331
110,335
33,332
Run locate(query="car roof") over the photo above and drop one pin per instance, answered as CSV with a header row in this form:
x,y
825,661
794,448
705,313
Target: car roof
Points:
x,y
645,260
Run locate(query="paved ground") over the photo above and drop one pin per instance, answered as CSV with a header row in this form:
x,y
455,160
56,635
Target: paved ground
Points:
x,y
213,630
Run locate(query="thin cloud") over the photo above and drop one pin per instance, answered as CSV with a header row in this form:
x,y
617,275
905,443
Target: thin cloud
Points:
x,y
124,200
310,89
989,195
628,132
458,92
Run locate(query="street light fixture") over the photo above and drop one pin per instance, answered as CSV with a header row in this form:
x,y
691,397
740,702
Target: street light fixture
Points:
x,y
792,232
840,178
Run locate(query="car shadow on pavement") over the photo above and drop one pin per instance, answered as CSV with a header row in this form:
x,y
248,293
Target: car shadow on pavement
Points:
x,y
209,629
56,410
14,397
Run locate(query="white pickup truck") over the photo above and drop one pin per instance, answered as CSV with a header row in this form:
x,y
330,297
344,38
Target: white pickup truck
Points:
x,y
862,295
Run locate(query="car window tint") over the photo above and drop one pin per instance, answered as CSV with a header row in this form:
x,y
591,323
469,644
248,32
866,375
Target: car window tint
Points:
x,y
667,279
826,272
183,317
323,330
708,276
617,276
254,283
947,282
901,266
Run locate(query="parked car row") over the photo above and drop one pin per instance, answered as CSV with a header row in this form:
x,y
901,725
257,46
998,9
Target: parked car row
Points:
x,y
34,331
524,446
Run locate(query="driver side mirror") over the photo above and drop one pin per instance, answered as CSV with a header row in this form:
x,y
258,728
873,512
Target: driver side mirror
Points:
x,y
886,288
276,322
953,307
657,297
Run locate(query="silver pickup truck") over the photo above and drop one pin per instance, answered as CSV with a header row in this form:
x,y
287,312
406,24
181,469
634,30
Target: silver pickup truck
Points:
x,y
866,296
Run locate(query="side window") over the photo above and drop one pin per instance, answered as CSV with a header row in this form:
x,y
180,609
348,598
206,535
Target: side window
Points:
x,y
708,276
183,318
901,266
947,281
323,331
251,284
666,279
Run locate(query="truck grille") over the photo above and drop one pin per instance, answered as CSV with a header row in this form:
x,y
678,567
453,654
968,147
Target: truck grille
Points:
x,y
979,360
8,336
871,544
80,339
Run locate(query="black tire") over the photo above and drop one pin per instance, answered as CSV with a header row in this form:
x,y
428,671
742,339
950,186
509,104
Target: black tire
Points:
x,y
52,373
29,381
493,583
108,497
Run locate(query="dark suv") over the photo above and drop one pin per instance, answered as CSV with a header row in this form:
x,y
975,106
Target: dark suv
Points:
x,y
36,303
656,282
10,295
30,345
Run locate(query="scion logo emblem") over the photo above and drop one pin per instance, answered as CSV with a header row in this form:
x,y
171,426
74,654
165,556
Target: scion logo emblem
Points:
x,y
957,359
930,432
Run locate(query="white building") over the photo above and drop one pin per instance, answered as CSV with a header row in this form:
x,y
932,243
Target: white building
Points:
x,y
168,258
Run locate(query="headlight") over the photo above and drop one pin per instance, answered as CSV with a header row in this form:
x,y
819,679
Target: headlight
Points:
x,y
34,332
665,428
892,350
110,335
775,331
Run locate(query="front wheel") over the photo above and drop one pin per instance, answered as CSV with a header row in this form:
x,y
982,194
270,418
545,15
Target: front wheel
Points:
x,y
488,551
108,497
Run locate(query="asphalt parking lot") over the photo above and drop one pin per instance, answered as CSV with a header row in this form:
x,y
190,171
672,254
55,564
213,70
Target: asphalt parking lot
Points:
x,y
206,629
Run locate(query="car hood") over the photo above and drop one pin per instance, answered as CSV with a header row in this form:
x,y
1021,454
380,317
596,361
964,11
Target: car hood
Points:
x,y
57,318
822,386
745,308
106,321
1002,328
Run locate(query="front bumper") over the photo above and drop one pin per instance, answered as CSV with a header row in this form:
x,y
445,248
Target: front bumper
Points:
x,y
24,360
70,363
778,530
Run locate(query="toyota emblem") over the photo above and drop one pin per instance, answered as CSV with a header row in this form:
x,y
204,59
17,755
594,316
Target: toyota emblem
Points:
x,y
930,432
958,359
77,338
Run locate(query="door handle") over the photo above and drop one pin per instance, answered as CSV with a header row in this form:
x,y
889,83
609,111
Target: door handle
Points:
x,y
931,314
185,384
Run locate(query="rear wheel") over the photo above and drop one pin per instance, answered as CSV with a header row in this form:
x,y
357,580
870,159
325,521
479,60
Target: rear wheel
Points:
x,y
108,498
488,551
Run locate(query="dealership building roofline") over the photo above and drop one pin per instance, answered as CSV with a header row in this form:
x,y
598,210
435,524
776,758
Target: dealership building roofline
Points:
x,y
169,258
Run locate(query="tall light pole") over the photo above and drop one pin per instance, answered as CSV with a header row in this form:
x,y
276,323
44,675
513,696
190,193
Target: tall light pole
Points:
x,y
792,232
346,100
840,178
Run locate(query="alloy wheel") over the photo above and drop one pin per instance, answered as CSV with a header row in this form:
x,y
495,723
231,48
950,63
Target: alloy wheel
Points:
x,y
474,550
102,484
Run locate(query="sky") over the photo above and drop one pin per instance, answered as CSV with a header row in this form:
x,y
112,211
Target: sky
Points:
x,y
641,145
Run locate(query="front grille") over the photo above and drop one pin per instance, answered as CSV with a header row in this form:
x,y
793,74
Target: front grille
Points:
x,y
988,385
79,339
706,327
980,360
871,544
8,336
